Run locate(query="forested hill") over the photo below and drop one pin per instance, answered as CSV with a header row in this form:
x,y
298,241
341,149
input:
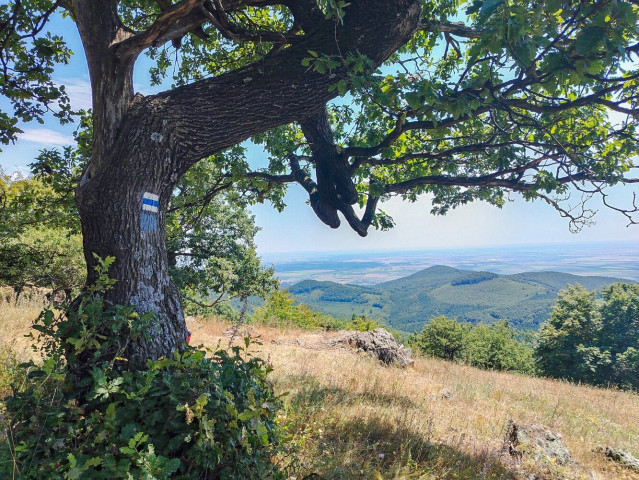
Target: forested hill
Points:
x,y
524,299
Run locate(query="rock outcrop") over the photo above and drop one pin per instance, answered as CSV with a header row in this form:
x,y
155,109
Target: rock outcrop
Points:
x,y
621,457
380,344
538,442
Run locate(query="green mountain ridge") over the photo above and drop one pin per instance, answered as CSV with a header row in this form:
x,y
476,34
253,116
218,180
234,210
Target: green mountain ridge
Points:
x,y
406,304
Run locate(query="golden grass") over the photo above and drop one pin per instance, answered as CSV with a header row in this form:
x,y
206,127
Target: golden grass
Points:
x,y
436,420
352,418
15,323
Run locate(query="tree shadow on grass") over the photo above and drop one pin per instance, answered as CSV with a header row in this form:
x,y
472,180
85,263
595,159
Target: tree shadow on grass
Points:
x,y
315,394
375,445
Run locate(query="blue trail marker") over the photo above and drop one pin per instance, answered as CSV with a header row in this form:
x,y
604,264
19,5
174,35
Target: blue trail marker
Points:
x,y
149,213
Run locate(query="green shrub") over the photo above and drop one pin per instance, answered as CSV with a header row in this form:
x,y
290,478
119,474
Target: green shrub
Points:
x,y
442,337
494,347
591,341
187,417
362,324
280,311
490,347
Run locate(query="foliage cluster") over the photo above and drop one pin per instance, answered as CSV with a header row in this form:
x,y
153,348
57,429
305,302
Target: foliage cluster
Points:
x,y
41,245
211,239
281,310
46,257
493,347
81,415
591,341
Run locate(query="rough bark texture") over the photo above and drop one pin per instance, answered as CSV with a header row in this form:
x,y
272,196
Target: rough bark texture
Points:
x,y
143,145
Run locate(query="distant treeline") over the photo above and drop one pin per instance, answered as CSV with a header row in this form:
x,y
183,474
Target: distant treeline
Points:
x,y
473,278
585,340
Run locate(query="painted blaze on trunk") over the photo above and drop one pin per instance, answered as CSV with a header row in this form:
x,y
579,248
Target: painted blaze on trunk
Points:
x,y
127,222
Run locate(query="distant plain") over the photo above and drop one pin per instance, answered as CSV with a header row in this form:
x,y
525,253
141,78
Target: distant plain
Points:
x,y
619,260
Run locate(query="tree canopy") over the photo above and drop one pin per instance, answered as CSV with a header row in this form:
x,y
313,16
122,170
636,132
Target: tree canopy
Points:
x,y
518,97
593,342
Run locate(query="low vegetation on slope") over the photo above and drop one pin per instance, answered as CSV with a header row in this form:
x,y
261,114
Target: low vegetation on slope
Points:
x,y
351,418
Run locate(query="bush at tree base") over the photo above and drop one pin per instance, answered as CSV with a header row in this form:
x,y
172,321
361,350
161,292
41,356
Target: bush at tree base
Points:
x,y
185,417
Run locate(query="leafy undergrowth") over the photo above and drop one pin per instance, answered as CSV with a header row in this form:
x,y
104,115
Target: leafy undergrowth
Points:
x,y
79,414
355,419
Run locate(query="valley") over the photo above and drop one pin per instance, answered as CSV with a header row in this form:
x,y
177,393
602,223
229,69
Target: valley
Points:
x,y
406,304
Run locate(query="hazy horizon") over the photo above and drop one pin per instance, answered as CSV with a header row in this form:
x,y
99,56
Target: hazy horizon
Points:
x,y
610,259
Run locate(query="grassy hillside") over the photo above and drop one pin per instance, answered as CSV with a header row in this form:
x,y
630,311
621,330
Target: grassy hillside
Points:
x,y
352,419
437,420
343,301
524,299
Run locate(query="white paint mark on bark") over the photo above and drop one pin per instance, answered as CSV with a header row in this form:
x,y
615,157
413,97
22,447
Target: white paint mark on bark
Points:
x,y
150,209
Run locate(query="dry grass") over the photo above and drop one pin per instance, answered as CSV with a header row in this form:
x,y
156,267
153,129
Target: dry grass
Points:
x,y
437,420
15,323
351,418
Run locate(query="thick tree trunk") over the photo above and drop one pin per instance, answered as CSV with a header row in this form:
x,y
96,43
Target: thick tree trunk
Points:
x,y
123,215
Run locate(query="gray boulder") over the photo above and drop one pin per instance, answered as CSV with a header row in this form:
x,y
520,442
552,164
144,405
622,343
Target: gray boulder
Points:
x,y
622,458
538,442
380,344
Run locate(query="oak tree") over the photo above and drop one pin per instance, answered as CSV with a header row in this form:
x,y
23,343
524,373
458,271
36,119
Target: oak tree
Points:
x,y
538,98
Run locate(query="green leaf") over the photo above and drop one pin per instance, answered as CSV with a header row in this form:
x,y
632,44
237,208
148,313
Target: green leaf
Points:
x,y
488,8
589,39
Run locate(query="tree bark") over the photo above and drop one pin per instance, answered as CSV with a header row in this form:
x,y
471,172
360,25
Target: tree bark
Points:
x,y
144,145
123,214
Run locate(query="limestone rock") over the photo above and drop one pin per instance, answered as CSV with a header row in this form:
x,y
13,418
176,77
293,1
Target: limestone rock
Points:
x,y
536,441
622,457
380,344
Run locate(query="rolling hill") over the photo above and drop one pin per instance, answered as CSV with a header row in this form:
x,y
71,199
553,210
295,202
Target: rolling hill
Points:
x,y
524,299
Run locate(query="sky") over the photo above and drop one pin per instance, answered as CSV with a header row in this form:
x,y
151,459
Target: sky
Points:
x,y
297,229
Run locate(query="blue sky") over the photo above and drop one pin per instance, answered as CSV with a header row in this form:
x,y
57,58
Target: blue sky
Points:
x,y
297,228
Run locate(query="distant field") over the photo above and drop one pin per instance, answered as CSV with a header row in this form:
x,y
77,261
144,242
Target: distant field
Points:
x,y
368,268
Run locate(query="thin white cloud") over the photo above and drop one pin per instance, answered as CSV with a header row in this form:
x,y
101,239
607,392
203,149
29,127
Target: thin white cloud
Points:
x,y
46,136
79,92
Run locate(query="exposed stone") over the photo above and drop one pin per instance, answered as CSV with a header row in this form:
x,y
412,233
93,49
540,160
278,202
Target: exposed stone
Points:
x,y
536,441
234,331
445,393
622,457
380,344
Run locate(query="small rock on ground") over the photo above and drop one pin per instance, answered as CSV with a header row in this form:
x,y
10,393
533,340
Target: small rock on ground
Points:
x,y
537,441
622,457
